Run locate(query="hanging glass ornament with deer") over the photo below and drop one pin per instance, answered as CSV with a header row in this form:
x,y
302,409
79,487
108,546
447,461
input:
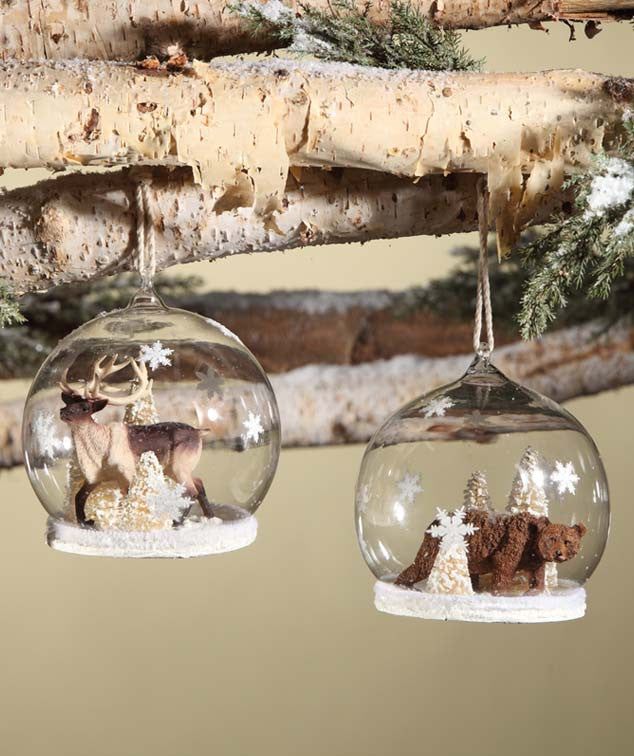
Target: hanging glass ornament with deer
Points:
x,y
151,432
482,500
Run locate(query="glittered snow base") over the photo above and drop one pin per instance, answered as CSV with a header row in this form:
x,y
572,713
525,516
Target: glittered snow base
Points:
x,y
566,602
197,537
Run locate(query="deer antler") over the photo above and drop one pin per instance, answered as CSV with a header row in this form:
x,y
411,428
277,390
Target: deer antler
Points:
x,y
107,366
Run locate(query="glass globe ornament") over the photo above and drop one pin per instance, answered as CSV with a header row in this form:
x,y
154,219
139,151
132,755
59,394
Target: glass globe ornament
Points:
x,y
482,501
151,431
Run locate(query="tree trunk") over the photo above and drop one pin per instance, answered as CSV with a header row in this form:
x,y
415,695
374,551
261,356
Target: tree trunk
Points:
x,y
127,31
333,404
329,115
82,226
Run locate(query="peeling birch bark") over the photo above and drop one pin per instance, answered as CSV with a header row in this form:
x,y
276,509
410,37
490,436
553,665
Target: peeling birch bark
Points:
x,y
81,226
335,404
130,29
242,125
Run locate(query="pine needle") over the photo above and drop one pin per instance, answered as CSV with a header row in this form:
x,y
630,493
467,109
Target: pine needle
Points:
x,y
345,33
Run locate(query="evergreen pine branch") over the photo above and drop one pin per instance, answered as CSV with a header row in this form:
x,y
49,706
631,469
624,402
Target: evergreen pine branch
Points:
x,y
9,308
588,252
347,34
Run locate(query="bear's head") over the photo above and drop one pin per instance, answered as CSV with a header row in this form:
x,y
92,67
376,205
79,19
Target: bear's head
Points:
x,y
559,543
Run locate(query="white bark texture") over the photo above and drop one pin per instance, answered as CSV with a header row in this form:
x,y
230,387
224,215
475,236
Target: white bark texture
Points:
x,y
81,227
335,404
242,126
130,29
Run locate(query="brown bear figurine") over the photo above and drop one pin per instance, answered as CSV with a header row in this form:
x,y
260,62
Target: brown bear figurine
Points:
x,y
503,545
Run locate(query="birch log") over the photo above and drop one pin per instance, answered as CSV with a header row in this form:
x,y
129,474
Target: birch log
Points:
x,y
82,226
333,404
130,29
242,125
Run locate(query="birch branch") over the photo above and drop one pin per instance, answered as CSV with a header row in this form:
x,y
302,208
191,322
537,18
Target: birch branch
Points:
x,y
81,226
131,29
241,126
332,404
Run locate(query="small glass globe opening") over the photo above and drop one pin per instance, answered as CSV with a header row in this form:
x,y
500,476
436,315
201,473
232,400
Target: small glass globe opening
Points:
x,y
483,501
151,431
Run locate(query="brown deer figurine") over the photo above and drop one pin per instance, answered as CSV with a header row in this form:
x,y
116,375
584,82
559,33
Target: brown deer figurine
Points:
x,y
111,451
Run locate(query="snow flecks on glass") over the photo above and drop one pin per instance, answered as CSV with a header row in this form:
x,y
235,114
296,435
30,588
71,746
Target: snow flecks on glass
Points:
x,y
253,428
438,407
210,382
409,487
363,498
156,355
224,330
212,414
565,477
47,442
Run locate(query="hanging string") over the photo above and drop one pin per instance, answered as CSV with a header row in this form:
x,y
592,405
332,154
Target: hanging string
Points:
x,y
145,238
483,295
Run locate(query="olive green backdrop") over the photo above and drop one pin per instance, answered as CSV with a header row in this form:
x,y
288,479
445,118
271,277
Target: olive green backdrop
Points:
x,y
277,649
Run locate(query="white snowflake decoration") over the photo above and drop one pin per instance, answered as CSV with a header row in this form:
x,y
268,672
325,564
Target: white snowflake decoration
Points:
x,y
167,498
438,407
565,477
47,442
253,427
156,355
452,528
210,382
409,487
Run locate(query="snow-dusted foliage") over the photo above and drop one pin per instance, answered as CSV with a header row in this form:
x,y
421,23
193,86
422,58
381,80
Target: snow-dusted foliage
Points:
x,y
165,498
565,477
612,187
156,355
438,407
253,427
409,487
47,443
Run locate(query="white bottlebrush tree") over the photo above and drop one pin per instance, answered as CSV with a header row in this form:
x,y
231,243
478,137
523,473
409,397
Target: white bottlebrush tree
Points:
x,y
450,573
528,494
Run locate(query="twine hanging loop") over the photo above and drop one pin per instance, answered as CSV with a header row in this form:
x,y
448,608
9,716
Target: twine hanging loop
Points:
x,y
483,295
145,236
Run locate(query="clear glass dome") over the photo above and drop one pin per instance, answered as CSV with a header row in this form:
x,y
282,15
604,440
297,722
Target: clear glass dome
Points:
x,y
151,431
482,500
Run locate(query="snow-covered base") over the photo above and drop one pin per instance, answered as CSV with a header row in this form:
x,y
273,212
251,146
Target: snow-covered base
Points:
x,y
197,537
566,602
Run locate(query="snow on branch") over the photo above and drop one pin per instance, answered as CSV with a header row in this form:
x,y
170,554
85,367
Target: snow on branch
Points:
x,y
131,29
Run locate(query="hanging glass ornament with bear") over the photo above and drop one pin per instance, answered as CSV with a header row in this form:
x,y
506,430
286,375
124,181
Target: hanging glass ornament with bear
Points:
x,y
482,500
150,431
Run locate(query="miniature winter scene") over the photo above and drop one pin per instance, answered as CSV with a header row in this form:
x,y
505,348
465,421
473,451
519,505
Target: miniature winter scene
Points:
x,y
484,502
151,432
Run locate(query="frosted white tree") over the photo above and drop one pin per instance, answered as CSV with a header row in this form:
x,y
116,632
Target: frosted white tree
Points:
x,y
528,490
528,494
476,493
450,573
